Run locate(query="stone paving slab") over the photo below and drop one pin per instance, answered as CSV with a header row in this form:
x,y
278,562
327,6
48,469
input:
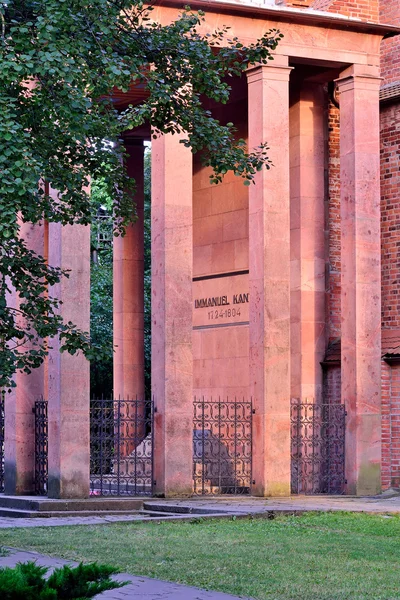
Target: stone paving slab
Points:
x,y
10,522
139,588
241,505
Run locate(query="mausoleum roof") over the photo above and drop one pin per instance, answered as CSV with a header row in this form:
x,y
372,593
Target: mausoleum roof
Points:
x,y
310,16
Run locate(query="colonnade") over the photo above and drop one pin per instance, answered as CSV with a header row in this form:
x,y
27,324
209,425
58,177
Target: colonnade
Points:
x,y
287,298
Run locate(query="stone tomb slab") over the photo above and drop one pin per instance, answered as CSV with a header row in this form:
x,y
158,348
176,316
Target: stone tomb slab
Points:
x,y
221,300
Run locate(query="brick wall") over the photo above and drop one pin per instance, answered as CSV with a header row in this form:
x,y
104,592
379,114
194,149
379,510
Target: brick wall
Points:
x,y
332,384
296,3
386,453
367,10
390,425
390,221
321,4
390,58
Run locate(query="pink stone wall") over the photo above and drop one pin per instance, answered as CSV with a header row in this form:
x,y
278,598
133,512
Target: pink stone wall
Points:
x,y
171,339
307,241
220,247
69,375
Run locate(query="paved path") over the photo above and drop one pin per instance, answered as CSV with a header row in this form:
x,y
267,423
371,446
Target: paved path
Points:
x,y
385,503
139,588
228,507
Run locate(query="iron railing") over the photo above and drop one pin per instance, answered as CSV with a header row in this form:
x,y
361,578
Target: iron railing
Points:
x,y
41,446
2,404
222,444
121,447
317,448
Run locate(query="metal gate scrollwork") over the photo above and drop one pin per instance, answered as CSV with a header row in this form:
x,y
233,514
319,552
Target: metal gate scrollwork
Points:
x,y
222,441
121,447
41,446
317,448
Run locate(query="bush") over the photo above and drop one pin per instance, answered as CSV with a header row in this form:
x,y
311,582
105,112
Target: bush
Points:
x,y
27,581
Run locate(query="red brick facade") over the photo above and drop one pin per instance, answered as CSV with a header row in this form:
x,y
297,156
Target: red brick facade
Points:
x,y
332,383
390,425
367,10
390,223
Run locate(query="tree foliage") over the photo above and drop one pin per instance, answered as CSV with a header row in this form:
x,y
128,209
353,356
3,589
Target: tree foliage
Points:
x,y
60,61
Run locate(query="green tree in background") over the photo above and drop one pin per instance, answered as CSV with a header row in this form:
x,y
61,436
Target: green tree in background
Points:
x,y
101,291
101,287
60,61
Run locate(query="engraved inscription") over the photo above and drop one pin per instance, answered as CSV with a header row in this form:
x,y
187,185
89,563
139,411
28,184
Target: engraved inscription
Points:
x,y
221,301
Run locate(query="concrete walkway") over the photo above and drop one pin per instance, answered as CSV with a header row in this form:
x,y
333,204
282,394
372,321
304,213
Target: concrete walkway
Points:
x,y
139,588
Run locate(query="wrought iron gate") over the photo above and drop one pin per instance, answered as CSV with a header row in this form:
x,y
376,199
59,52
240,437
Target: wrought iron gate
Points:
x,y
317,448
2,442
41,446
121,447
222,441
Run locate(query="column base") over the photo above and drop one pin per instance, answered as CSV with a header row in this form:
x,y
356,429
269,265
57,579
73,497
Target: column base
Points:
x,y
67,490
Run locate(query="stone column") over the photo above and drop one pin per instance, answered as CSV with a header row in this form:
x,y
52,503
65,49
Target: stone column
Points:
x,y
19,445
269,264
171,339
69,376
307,224
128,273
361,276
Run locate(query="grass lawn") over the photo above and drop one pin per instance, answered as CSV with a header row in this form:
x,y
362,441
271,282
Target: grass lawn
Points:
x,y
327,556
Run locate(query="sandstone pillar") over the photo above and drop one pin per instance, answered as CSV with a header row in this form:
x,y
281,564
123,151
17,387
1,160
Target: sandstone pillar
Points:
x,y
361,276
128,273
69,376
307,224
172,360
269,277
19,446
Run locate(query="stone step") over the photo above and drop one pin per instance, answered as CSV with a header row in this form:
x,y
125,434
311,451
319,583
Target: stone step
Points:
x,y
138,514
31,514
44,504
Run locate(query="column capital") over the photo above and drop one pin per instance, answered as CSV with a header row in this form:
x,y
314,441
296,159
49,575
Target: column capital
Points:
x,y
360,76
278,69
